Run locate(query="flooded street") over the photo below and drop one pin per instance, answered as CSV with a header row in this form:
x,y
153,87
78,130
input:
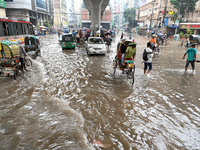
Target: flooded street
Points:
x,y
69,98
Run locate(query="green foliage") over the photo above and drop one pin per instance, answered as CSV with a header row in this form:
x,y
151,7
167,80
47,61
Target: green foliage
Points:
x,y
187,5
181,34
47,23
129,15
189,32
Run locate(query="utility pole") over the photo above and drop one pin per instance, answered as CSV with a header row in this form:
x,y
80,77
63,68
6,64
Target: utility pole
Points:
x,y
152,12
178,15
158,16
164,15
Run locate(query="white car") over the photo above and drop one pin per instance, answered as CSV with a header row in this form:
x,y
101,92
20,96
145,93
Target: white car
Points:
x,y
95,45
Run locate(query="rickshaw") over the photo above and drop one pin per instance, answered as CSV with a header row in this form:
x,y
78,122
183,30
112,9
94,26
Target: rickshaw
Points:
x,y
129,67
68,41
9,59
32,45
194,39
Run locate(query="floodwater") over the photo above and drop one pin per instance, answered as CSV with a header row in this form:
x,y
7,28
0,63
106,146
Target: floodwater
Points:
x,y
68,99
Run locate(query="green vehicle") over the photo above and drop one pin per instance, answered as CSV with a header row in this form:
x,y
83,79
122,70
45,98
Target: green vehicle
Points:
x,y
32,45
68,41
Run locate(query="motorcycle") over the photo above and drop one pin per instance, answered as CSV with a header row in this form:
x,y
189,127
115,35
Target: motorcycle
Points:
x,y
109,41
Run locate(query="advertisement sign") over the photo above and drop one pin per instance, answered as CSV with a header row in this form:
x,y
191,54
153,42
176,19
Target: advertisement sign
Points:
x,y
41,4
166,21
3,4
19,4
117,9
136,14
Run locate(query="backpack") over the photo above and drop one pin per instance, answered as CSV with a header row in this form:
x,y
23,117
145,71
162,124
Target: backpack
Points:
x,y
145,55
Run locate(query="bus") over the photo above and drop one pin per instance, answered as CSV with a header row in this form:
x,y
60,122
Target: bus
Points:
x,y
13,30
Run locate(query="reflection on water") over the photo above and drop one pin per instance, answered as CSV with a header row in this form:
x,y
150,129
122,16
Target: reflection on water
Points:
x,y
68,99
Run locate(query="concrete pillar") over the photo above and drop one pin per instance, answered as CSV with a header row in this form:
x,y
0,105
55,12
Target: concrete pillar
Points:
x,y
95,14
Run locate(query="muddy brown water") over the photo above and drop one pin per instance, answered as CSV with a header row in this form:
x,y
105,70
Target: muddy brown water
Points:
x,y
68,99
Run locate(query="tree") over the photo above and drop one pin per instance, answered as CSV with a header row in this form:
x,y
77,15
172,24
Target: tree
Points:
x,y
186,5
129,15
47,23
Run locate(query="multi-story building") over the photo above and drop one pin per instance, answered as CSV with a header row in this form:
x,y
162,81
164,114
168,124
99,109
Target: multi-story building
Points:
x,y
60,14
71,13
35,11
2,8
133,3
106,19
152,17
119,7
191,20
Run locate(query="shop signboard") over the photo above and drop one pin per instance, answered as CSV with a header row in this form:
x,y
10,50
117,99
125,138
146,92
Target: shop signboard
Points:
x,y
2,4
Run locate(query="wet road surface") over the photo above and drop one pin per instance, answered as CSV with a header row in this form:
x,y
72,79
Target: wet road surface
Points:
x,y
68,99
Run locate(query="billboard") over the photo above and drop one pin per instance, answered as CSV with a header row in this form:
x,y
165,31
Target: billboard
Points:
x,y
18,4
41,4
136,14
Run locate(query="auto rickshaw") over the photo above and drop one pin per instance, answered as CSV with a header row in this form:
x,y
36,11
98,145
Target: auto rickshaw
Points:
x,y
193,39
9,59
68,41
32,45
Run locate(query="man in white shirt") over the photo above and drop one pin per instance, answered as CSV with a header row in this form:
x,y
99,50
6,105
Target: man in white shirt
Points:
x,y
148,63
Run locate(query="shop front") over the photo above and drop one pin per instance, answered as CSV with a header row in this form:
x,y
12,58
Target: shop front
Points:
x,y
194,26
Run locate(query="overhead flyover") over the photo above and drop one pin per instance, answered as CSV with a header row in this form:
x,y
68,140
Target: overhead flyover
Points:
x,y
96,9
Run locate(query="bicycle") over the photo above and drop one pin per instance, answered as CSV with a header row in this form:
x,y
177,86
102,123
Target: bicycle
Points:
x,y
166,43
182,44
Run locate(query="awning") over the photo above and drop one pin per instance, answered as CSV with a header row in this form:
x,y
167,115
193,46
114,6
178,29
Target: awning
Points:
x,y
32,17
173,26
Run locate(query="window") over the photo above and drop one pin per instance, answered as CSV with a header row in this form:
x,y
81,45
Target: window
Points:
x,y
19,26
12,28
2,32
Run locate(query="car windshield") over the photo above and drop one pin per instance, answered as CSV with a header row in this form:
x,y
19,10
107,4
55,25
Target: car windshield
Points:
x,y
95,41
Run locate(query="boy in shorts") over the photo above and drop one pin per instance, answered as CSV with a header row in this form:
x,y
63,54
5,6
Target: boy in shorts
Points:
x,y
191,58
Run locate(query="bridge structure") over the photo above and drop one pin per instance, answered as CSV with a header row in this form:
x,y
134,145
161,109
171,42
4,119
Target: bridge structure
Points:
x,y
96,9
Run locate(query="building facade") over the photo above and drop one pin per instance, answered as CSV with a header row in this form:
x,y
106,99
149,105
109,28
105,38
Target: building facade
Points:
x,y
119,7
35,11
133,3
152,14
191,20
60,14
71,17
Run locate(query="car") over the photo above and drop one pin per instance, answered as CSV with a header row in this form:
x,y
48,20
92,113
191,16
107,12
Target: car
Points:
x,y
95,45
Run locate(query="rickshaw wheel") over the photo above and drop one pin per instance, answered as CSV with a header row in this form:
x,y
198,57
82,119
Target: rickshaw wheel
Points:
x,y
132,75
18,72
28,63
114,65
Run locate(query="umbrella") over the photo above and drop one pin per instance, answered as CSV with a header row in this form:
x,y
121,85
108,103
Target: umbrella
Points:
x,y
88,31
107,33
160,34
42,27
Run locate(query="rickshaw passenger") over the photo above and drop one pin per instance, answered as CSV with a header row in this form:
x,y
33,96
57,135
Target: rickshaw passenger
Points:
x,y
122,49
22,54
130,53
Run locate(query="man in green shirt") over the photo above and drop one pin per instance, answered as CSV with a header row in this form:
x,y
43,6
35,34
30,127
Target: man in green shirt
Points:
x,y
130,53
191,58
